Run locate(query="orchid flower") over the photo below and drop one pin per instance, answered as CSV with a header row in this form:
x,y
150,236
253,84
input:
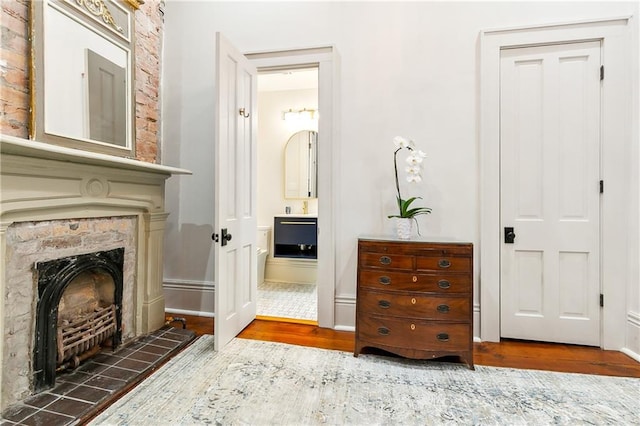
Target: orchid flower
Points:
x,y
401,142
413,170
411,178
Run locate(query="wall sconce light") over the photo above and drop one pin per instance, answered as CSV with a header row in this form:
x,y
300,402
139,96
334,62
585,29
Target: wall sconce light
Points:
x,y
301,114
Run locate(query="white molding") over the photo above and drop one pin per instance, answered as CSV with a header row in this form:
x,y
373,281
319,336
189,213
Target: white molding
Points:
x,y
615,143
632,346
192,313
189,297
299,271
31,148
346,299
631,353
558,25
180,284
345,312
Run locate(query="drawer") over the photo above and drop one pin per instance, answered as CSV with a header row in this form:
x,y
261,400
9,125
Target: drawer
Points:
x,y
295,231
414,305
434,283
387,261
416,248
414,334
443,263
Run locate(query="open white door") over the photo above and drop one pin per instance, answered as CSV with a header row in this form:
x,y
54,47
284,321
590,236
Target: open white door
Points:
x,y
235,197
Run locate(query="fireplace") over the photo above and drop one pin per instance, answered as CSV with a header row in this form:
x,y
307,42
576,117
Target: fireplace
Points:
x,y
79,307
58,203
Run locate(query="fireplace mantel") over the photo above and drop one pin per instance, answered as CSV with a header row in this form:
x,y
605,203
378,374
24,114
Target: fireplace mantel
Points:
x,y
42,182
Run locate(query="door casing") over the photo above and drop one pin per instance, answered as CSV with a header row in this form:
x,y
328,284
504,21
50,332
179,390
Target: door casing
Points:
x,y
616,143
325,59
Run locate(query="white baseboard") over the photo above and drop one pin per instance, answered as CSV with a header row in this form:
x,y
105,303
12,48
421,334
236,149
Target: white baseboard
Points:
x,y
631,353
476,323
192,313
291,270
345,313
189,297
632,338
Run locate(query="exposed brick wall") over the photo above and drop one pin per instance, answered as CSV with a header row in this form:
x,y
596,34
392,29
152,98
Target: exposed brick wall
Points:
x,y
14,74
14,68
148,48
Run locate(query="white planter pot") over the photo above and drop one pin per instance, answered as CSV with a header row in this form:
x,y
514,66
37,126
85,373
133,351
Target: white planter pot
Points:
x,y
404,227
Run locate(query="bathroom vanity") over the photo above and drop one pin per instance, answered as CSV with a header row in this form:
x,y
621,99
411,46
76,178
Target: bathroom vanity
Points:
x,y
295,236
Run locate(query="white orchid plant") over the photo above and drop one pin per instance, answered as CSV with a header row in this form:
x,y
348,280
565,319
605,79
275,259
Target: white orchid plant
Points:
x,y
414,175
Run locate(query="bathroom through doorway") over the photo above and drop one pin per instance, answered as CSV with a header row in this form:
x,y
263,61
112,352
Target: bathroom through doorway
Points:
x,y
287,197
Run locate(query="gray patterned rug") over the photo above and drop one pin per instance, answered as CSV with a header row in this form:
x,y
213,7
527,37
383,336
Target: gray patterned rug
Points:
x,y
255,382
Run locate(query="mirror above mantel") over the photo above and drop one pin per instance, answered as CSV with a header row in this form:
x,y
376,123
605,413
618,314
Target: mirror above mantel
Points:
x,y
82,74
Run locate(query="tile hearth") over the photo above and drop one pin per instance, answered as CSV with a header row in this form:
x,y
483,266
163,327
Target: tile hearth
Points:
x,y
80,394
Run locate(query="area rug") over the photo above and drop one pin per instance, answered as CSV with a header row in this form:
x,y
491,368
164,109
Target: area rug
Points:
x,y
261,383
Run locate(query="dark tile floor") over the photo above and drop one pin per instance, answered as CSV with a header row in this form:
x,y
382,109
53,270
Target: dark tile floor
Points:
x,y
80,394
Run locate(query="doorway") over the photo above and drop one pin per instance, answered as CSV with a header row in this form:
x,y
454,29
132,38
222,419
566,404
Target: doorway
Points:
x,y
615,148
287,193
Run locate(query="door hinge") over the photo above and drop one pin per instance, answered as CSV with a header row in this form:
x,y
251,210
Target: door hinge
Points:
x,y
601,72
601,186
601,300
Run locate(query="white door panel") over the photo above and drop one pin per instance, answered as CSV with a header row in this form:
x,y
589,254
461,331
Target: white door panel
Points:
x,y
550,171
235,257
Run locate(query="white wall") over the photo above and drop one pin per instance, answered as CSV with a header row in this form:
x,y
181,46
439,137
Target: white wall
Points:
x,y
273,134
407,68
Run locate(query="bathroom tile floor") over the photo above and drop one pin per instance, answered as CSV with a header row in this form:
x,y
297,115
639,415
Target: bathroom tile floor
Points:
x,y
288,300
80,394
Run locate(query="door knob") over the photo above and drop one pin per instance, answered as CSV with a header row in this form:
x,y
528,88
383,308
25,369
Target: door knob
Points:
x,y
225,237
509,235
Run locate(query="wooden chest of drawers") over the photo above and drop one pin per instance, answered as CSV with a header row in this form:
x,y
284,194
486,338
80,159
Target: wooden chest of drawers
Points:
x,y
415,298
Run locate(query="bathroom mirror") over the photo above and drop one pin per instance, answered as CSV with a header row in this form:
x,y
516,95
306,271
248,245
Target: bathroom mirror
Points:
x,y
82,74
300,165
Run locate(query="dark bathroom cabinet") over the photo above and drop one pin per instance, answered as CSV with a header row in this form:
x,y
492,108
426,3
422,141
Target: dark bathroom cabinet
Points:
x,y
295,237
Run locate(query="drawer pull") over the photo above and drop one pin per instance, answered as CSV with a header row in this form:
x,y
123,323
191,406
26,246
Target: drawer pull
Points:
x,y
385,304
385,260
383,331
296,223
444,284
443,308
413,300
413,326
443,337
444,263
385,280
414,279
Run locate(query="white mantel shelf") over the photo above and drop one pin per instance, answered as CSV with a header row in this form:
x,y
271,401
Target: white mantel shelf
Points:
x,y
29,148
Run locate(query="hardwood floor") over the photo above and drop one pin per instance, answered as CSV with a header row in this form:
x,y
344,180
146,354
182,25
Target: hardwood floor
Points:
x,y
509,353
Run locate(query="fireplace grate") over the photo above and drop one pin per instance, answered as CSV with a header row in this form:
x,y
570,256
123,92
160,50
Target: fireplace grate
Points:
x,y
86,333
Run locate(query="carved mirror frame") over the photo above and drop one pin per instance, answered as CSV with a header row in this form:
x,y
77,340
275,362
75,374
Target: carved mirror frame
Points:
x,y
60,94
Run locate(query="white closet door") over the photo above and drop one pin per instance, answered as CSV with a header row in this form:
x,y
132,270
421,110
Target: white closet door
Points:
x,y
550,193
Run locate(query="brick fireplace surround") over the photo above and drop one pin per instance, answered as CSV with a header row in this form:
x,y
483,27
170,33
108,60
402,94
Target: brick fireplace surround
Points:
x,y
57,202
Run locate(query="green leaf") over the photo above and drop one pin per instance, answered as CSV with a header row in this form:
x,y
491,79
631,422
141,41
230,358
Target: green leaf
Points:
x,y
405,210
